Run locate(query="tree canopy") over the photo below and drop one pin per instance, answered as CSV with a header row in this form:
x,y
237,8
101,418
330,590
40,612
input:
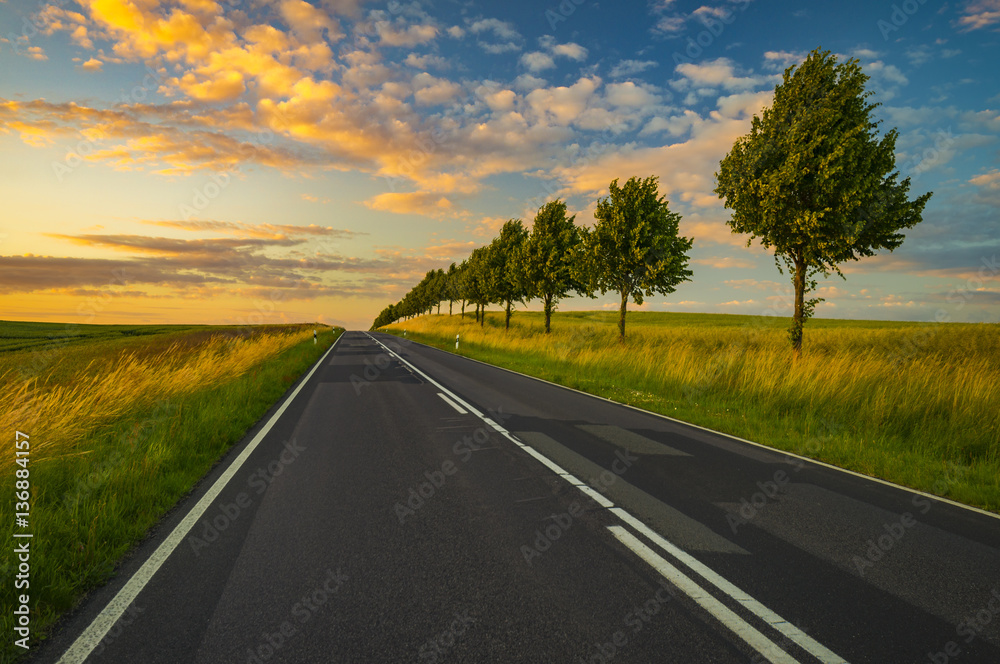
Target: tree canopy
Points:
x,y
548,259
634,248
814,181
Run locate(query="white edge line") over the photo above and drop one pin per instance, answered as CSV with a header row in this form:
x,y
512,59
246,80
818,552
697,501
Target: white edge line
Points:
x,y
825,655
461,411
816,649
940,499
721,612
109,615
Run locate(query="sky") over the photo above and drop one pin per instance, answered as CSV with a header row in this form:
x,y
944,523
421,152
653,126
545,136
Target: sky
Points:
x,y
267,161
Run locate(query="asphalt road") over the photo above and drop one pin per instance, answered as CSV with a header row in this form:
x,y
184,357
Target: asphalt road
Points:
x,y
409,505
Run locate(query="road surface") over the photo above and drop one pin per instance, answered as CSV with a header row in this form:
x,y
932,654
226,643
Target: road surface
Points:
x,y
409,505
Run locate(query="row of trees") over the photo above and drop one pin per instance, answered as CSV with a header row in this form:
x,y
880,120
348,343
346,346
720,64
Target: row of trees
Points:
x,y
813,181
634,250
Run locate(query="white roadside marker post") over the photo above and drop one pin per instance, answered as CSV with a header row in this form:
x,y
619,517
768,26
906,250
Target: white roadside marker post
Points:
x,y
456,342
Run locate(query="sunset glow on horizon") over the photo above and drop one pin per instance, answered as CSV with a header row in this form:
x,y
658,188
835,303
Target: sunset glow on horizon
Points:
x,y
269,161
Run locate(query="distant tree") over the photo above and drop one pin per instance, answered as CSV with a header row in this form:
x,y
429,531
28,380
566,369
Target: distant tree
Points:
x,y
634,248
457,284
475,282
438,286
548,258
387,316
451,285
505,281
813,180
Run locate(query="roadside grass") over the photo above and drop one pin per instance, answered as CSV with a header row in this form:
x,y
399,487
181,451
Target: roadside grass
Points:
x,y
911,403
118,440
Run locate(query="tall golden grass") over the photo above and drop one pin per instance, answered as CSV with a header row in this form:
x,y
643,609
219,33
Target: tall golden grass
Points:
x,y
59,413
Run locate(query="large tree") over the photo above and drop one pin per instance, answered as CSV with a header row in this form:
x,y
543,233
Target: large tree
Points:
x,y
634,248
505,282
547,264
813,179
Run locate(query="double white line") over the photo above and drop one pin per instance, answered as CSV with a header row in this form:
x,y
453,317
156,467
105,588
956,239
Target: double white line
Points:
x,y
753,637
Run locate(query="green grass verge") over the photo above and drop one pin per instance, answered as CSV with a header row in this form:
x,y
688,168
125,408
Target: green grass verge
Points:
x,y
907,402
88,511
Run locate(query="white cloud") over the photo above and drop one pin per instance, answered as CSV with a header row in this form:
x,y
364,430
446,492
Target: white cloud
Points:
x,y
630,94
630,67
720,72
537,61
506,37
425,61
410,35
980,14
782,60
570,50
527,82
432,91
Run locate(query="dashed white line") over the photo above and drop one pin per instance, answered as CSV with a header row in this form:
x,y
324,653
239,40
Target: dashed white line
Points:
x,y
461,411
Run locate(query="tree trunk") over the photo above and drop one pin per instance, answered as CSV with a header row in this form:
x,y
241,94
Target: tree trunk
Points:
x,y
439,307
450,302
482,315
506,324
463,308
621,316
547,299
798,317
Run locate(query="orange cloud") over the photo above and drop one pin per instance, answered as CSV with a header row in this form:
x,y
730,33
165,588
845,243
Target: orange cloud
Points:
x,y
450,250
724,262
424,203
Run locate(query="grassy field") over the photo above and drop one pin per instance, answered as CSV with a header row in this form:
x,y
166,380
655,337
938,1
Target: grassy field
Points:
x,y
123,421
912,403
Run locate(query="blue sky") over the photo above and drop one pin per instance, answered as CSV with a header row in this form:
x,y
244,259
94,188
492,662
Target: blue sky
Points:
x,y
263,161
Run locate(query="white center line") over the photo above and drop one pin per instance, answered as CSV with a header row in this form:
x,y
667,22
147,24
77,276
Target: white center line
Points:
x,y
793,633
723,614
451,403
